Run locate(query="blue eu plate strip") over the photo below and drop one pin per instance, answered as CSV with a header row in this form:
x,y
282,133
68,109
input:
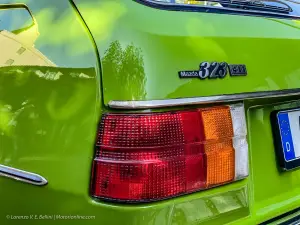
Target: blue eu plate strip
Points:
x,y
286,136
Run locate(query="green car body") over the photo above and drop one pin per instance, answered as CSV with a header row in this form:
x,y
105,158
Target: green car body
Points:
x,y
85,54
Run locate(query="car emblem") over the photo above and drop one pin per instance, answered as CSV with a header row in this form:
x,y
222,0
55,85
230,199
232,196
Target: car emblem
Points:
x,y
215,70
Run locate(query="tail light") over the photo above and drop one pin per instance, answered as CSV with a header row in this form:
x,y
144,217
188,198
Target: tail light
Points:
x,y
146,157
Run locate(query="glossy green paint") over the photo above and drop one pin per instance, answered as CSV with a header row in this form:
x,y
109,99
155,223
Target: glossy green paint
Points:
x,y
49,110
142,49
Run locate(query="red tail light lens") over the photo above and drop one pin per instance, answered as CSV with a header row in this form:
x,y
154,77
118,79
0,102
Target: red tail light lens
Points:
x,y
147,157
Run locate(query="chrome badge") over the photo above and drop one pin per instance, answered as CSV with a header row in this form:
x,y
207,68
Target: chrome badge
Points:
x,y
215,70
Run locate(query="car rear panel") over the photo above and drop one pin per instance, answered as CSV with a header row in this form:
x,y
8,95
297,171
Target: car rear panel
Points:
x,y
161,43
49,119
143,50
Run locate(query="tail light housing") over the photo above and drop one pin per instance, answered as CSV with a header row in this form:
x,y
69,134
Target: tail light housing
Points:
x,y
146,157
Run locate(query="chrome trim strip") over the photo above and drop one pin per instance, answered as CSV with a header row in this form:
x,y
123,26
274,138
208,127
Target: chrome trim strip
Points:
x,y
146,104
23,176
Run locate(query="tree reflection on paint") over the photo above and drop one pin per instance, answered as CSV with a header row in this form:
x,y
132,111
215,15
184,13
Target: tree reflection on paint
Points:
x,y
125,67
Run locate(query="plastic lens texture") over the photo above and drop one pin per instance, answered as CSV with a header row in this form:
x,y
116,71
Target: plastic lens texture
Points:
x,y
148,157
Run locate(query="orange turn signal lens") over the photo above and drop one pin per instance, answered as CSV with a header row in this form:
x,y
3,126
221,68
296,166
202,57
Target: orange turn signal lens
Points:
x,y
217,122
218,130
220,162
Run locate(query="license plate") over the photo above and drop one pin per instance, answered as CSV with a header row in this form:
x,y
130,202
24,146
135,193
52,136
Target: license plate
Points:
x,y
286,128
